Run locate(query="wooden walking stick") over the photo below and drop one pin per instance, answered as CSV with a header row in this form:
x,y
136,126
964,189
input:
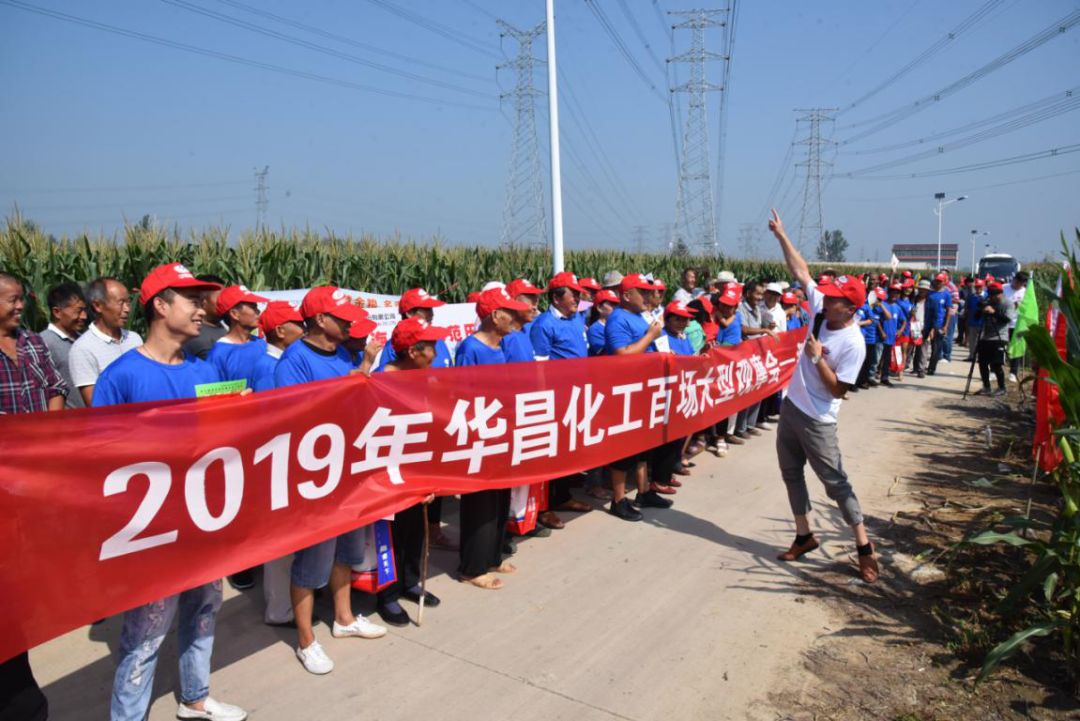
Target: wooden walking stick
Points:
x,y
423,568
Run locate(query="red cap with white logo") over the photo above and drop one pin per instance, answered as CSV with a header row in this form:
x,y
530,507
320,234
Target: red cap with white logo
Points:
x,y
331,300
589,284
563,280
848,287
605,296
411,331
789,298
171,275
731,295
677,307
941,277
635,280
276,313
362,328
521,286
496,298
418,298
234,294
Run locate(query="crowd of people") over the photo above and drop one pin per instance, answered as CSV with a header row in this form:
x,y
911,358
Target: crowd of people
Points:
x,y
862,332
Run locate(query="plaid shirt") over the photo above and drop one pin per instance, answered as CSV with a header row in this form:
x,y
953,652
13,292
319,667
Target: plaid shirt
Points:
x,y
27,384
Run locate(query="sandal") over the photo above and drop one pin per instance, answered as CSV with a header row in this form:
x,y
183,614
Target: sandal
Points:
x,y
485,581
599,493
504,567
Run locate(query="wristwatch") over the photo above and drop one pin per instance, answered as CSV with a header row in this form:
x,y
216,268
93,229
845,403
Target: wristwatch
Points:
x,y
815,359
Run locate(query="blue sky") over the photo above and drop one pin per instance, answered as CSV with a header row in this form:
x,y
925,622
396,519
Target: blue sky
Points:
x,y
99,125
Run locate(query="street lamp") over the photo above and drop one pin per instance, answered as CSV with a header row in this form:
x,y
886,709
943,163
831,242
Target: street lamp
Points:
x,y
941,203
975,234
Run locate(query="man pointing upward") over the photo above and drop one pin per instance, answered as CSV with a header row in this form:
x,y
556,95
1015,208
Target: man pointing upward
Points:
x,y
828,366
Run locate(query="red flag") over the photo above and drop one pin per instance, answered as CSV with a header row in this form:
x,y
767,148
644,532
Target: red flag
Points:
x,y
1048,412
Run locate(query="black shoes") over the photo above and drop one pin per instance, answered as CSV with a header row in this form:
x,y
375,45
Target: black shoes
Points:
x,y
394,618
243,580
430,599
625,510
652,499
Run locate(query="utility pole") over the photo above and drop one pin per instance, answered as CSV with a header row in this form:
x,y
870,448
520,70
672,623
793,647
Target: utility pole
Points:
x,y
639,239
524,217
695,218
553,145
812,218
262,201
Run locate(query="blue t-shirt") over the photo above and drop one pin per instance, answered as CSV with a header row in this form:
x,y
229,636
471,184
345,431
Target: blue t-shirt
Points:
x,y
624,328
442,356
732,335
236,361
473,352
303,363
869,332
262,375
974,317
596,338
795,321
906,306
679,346
937,307
891,325
134,378
517,346
554,337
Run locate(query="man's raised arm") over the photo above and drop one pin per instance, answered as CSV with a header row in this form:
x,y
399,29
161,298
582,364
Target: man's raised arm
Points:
x,y
795,263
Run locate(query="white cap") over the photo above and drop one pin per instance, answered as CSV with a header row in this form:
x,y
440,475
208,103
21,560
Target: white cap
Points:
x,y
774,288
726,276
492,284
784,285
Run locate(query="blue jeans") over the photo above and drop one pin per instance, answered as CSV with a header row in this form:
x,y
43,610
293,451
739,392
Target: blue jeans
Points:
x,y
947,341
140,640
747,418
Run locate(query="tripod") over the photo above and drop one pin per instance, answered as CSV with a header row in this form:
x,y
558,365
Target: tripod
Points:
x,y
974,358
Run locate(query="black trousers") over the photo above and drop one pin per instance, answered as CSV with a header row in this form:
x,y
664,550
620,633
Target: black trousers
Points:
x,y
434,511
991,357
883,368
408,533
483,530
663,460
20,697
864,372
559,491
936,347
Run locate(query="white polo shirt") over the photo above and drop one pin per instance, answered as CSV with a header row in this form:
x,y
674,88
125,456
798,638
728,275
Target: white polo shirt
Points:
x,y
94,351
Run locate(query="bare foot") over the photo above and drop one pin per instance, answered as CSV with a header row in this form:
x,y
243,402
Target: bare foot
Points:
x,y
485,581
504,567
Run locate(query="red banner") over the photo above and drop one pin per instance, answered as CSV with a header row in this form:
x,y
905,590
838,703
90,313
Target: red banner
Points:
x,y
105,509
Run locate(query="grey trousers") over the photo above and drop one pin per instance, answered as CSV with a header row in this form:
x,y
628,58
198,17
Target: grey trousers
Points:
x,y
799,439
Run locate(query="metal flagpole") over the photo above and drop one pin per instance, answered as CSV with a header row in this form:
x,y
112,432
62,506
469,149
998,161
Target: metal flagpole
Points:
x,y
553,128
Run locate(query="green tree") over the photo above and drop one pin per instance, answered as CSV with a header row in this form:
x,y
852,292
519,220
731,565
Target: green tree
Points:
x,y
832,247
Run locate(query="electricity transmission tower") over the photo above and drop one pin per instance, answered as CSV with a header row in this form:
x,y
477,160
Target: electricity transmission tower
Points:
x,y
748,237
524,216
262,202
812,218
695,219
639,239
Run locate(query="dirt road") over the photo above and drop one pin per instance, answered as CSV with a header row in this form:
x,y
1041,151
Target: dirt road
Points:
x,y
684,616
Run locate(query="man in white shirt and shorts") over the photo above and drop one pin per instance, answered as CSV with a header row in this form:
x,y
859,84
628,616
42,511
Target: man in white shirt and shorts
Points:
x,y
828,366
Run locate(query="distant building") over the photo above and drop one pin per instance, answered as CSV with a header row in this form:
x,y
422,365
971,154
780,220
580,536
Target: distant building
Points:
x,y
926,253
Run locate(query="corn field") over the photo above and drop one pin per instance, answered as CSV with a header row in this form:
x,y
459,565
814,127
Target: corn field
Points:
x,y
301,258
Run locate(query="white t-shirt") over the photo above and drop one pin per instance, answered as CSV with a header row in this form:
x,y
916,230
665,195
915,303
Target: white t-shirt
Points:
x,y
1015,296
844,351
778,316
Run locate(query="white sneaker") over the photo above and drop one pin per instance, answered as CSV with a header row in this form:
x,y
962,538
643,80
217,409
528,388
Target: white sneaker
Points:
x,y
360,627
213,710
1012,378
944,360
315,659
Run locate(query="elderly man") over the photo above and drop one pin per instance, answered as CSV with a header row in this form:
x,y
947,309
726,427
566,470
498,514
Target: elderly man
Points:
x,y
29,383
107,338
67,321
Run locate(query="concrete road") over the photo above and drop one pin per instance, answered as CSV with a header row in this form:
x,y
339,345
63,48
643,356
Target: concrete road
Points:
x,y
684,616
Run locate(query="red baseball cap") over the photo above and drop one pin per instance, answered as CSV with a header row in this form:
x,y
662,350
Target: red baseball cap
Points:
x,y
907,274
994,285
170,275
941,277
411,331
589,284
706,304
979,282
521,286
417,298
848,287
896,287
362,328
731,295
789,298
880,293
635,280
605,296
331,300
496,298
882,278
565,279
473,297
909,283
677,307
658,284
276,313
234,294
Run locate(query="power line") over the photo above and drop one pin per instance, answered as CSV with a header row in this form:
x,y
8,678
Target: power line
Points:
x,y
1011,126
728,53
206,52
661,65
785,165
124,188
812,218
440,29
128,204
892,117
1020,112
876,42
1014,160
969,188
299,42
928,53
481,10
620,45
350,41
